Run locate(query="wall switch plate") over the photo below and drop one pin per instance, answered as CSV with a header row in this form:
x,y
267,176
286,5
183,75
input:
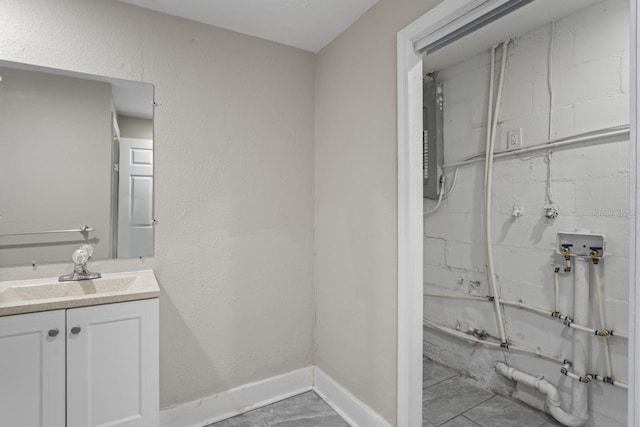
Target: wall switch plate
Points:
x,y
514,139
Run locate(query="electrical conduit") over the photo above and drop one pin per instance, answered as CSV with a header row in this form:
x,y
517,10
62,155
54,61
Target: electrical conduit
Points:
x,y
492,124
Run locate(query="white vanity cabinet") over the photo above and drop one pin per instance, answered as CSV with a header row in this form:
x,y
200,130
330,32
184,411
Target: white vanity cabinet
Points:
x,y
32,369
101,369
112,365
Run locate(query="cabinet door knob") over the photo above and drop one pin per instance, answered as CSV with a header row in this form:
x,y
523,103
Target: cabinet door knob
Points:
x,y
53,332
76,330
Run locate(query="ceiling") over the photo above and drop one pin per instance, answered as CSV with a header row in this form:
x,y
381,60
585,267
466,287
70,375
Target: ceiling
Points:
x,y
521,21
305,24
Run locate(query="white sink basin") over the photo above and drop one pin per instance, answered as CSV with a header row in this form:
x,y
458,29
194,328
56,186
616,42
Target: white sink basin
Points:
x,y
27,296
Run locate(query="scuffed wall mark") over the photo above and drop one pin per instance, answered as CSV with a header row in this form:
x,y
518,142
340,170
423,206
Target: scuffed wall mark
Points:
x,y
466,285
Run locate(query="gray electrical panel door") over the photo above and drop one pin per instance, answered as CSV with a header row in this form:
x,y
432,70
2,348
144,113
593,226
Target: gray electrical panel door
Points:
x,y
432,141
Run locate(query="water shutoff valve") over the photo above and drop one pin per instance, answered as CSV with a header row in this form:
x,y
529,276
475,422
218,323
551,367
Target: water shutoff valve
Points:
x,y
581,245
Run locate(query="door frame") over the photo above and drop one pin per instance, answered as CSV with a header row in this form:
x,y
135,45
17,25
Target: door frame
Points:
x,y
410,219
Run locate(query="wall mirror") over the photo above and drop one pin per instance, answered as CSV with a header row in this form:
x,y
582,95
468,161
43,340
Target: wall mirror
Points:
x,y
76,165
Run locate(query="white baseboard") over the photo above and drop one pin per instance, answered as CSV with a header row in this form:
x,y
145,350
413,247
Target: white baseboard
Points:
x,y
354,411
230,403
236,401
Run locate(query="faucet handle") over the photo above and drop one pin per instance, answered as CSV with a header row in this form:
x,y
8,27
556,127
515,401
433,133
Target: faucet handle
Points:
x,y
88,249
80,256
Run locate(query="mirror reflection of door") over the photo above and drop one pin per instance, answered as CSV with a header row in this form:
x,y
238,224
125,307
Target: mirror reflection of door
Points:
x,y
135,198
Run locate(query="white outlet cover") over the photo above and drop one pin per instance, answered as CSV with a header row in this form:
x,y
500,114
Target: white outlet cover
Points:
x,y
514,139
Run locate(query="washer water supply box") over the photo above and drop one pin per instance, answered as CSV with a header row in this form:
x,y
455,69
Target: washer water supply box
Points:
x,y
581,244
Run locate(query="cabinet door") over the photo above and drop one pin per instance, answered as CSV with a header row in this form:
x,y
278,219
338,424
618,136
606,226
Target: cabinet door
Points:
x,y
32,370
112,365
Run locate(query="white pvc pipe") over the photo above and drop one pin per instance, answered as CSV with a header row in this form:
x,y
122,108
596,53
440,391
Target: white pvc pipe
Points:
x,y
580,395
595,274
605,133
488,188
536,352
527,307
551,393
560,359
539,310
556,291
465,297
490,106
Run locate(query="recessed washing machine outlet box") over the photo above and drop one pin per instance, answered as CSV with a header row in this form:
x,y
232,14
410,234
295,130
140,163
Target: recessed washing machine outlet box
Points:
x,y
579,244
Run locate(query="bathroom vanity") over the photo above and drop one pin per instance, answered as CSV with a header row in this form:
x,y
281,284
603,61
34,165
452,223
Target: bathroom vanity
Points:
x,y
80,354
82,351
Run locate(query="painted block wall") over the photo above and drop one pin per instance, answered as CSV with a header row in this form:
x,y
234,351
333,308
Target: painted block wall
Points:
x,y
590,186
234,156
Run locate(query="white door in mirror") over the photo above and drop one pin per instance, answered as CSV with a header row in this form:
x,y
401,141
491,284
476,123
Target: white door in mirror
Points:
x,y
135,198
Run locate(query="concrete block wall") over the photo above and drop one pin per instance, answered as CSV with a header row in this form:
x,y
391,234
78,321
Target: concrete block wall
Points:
x,y
590,187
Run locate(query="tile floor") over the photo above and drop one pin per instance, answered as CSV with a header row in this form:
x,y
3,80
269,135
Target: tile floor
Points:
x,y
304,410
449,400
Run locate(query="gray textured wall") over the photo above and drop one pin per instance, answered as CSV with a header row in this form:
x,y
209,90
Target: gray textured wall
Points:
x,y
234,160
356,204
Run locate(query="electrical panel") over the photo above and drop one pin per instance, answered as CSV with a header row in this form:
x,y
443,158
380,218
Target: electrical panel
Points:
x,y
432,135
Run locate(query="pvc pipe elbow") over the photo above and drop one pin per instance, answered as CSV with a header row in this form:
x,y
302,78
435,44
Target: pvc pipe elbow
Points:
x,y
568,420
546,388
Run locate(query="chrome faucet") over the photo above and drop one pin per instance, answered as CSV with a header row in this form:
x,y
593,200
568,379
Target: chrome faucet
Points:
x,y
80,258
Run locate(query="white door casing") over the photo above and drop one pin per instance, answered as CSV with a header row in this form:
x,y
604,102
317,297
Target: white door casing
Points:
x,y
32,369
135,198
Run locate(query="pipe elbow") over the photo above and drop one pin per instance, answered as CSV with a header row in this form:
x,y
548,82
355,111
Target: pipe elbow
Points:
x,y
504,370
566,419
549,390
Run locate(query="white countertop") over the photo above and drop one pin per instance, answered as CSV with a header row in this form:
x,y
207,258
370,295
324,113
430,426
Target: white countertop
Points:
x,y
28,296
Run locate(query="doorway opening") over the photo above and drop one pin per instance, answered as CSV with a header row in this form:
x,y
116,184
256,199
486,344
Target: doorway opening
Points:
x,y
546,88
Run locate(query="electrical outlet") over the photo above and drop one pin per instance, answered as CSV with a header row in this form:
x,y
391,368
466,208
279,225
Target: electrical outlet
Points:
x,y
514,139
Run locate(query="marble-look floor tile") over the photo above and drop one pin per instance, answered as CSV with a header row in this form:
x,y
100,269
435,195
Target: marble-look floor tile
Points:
x,y
451,398
460,421
501,412
551,422
433,373
303,410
